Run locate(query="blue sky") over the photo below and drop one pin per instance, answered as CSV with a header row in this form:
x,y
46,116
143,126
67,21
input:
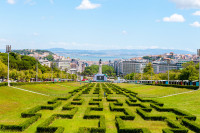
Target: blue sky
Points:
x,y
100,24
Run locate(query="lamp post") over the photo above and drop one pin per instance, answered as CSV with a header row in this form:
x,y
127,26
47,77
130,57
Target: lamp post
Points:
x,y
37,69
8,50
198,54
168,62
134,72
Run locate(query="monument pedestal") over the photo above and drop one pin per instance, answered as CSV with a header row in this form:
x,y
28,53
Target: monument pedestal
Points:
x,y
100,78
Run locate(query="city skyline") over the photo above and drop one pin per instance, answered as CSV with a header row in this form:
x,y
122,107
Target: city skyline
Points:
x,y
100,24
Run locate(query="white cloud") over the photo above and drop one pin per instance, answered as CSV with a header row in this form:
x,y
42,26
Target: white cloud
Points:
x,y
174,18
187,4
3,40
11,1
51,1
195,24
124,32
86,5
197,13
36,34
157,20
30,2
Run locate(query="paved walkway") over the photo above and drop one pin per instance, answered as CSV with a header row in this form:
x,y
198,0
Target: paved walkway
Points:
x,y
29,91
177,94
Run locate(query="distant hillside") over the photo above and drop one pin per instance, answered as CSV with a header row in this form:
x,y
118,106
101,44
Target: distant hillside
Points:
x,y
122,52
106,55
29,51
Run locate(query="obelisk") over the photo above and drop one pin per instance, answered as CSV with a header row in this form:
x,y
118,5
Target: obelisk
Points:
x,y
100,67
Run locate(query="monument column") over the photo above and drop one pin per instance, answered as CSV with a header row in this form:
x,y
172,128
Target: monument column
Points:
x,y
100,67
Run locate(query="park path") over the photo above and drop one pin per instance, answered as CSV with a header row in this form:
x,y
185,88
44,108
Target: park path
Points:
x,y
177,94
29,91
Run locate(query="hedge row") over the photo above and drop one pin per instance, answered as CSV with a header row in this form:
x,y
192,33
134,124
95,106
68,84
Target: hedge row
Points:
x,y
87,90
59,98
146,115
122,129
31,112
80,102
191,124
67,106
106,90
52,106
177,86
44,127
25,83
176,127
96,91
22,126
145,107
101,124
101,127
97,102
87,113
127,113
174,110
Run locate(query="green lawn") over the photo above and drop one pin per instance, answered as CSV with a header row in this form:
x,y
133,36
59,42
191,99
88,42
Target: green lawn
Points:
x,y
55,89
189,102
152,91
13,102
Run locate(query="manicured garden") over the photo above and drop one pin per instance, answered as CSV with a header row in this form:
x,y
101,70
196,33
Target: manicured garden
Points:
x,y
98,107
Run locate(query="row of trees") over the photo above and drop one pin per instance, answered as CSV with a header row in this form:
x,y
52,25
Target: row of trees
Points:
x,y
23,68
190,72
93,69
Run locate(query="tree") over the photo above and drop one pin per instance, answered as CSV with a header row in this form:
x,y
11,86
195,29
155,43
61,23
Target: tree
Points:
x,y
50,58
94,69
148,69
3,70
189,72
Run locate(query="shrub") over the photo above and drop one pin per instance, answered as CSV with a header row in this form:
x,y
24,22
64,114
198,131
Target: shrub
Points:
x,y
191,124
31,112
22,126
52,107
146,116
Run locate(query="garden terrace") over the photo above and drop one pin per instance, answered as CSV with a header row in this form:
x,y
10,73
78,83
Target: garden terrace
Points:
x,y
104,108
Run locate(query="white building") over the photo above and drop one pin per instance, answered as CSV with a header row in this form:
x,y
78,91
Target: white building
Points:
x,y
131,66
45,62
63,65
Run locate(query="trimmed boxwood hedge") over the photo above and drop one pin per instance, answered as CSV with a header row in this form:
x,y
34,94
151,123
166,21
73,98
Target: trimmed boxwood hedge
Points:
x,y
177,86
101,125
22,126
51,106
121,127
174,110
146,116
191,124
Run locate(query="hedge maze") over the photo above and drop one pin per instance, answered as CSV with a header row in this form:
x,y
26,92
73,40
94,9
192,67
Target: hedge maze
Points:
x,y
101,108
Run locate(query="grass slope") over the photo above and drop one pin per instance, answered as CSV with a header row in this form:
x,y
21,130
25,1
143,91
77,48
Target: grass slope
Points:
x,y
152,91
13,102
189,102
56,89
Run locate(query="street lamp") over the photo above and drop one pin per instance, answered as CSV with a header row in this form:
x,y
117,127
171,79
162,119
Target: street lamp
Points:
x,y
37,67
168,62
8,50
198,54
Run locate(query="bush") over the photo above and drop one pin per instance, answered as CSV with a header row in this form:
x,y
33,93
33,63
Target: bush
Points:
x,y
121,128
177,86
146,116
191,124
22,126
52,107
31,112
